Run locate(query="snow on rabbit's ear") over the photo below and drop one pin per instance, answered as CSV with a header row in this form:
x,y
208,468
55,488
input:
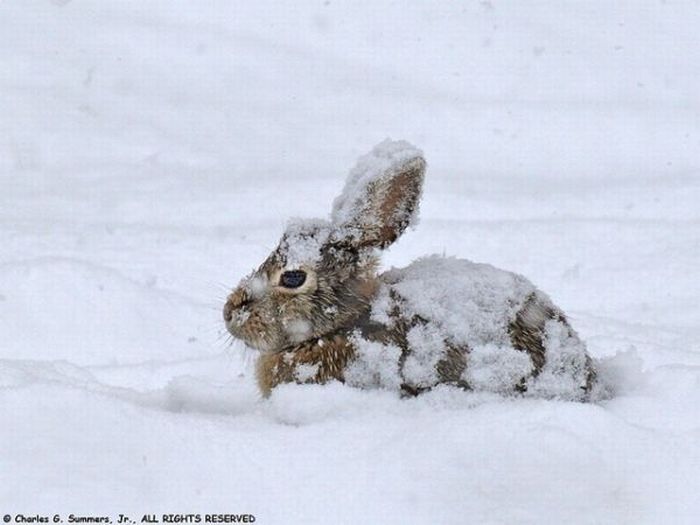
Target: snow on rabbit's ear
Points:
x,y
381,195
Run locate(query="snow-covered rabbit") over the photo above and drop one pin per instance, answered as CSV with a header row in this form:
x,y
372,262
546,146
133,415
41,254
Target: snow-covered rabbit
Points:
x,y
318,311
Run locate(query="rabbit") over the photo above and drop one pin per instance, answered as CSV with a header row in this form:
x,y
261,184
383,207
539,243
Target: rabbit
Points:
x,y
317,309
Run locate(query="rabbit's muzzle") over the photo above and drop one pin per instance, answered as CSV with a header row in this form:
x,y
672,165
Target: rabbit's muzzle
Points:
x,y
246,320
237,314
235,302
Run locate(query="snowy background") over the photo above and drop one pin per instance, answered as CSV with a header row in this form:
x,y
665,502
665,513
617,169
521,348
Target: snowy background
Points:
x,y
150,154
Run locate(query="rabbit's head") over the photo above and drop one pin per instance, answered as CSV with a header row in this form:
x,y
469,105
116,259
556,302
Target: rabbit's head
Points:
x,y
322,276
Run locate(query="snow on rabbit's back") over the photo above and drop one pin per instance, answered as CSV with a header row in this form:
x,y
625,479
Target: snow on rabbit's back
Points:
x,y
318,311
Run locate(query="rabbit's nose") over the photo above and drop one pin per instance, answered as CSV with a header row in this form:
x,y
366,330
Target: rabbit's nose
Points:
x,y
228,312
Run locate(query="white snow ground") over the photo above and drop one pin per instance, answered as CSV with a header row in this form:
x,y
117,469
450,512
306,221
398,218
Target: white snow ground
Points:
x,y
150,154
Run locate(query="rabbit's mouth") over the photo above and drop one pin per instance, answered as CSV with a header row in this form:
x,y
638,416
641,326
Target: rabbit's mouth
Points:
x,y
248,327
253,337
269,337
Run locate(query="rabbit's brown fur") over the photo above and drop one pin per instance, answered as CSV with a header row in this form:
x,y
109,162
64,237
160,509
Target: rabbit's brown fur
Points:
x,y
325,357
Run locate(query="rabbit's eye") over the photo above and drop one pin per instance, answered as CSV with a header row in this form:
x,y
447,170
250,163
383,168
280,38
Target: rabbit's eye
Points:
x,y
293,278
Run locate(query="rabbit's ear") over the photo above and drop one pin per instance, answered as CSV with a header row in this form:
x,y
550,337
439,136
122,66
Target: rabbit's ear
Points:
x,y
381,196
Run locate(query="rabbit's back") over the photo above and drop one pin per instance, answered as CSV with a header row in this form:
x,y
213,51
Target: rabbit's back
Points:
x,y
446,320
471,303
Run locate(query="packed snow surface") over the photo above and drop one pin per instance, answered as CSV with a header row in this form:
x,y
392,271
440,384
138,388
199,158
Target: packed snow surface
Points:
x,y
150,156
